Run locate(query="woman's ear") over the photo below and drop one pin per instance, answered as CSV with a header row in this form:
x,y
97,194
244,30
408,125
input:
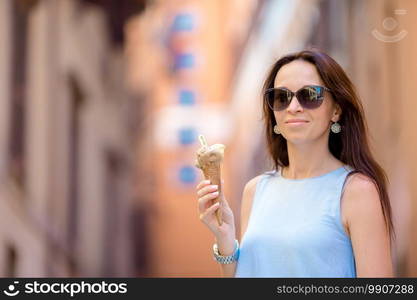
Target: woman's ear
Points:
x,y
337,112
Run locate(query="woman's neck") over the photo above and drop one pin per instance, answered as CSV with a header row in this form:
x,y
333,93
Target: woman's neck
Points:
x,y
309,160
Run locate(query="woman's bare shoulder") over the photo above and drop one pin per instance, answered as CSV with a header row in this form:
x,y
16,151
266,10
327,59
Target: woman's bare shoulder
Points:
x,y
360,199
359,184
251,184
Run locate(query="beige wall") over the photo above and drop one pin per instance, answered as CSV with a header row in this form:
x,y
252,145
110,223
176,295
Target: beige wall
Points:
x,y
16,231
67,41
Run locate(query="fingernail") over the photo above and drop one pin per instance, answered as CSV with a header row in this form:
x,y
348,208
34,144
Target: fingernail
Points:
x,y
215,193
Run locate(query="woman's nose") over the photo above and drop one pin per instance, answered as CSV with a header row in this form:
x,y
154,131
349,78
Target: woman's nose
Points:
x,y
294,105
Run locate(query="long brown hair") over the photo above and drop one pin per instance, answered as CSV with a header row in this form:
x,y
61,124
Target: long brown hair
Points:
x,y
351,145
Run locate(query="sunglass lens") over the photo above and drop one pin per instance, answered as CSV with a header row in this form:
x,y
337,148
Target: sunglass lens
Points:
x,y
310,96
278,99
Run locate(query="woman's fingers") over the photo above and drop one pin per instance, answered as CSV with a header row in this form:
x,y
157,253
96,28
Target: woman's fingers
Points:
x,y
202,201
202,183
207,189
209,211
207,192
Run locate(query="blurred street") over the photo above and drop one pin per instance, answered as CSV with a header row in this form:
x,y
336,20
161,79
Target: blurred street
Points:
x,y
102,102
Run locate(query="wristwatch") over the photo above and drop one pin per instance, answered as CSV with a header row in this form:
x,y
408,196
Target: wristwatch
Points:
x,y
226,259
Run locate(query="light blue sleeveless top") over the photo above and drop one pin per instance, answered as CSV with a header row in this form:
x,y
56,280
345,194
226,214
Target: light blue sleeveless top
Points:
x,y
295,229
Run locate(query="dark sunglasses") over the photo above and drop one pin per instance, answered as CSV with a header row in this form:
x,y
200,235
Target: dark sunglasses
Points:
x,y
309,96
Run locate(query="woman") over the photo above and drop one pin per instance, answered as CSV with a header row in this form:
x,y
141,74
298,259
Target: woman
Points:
x,y
324,211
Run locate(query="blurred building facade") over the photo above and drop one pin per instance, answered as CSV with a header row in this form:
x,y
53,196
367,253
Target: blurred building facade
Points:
x,y
188,51
67,140
208,62
100,112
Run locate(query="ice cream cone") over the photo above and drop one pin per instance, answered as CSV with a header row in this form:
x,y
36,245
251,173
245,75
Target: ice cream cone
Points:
x,y
209,160
213,173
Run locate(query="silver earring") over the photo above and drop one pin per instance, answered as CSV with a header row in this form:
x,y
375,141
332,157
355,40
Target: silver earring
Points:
x,y
276,129
336,128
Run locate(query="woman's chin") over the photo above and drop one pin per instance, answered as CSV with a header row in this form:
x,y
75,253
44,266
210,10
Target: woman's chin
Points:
x,y
297,139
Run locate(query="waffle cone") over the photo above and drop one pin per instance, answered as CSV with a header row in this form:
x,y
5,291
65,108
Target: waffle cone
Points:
x,y
212,172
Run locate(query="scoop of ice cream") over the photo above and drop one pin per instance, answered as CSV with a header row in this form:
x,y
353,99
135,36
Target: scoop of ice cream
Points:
x,y
208,155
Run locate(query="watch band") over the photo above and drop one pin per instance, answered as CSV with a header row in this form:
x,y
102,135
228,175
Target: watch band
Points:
x,y
226,259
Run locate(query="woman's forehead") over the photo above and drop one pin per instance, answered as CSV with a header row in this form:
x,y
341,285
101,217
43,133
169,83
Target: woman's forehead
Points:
x,y
297,74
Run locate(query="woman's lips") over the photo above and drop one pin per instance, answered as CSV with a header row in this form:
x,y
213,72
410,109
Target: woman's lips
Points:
x,y
296,122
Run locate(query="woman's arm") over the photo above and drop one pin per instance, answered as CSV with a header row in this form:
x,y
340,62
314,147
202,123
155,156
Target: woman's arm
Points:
x,y
226,247
246,204
363,215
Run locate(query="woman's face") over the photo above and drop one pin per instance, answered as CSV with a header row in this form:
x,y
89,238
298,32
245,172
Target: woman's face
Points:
x,y
316,122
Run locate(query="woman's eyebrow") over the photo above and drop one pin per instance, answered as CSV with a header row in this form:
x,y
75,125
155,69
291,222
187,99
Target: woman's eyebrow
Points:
x,y
284,87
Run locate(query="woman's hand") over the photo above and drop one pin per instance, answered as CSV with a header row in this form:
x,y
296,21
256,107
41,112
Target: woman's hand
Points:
x,y
206,194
